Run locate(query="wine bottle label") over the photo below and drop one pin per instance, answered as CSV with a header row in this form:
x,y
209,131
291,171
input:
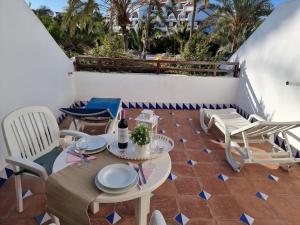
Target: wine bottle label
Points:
x,y
123,135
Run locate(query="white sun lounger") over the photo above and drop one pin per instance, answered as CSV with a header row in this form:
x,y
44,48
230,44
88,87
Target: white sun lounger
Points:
x,y
237,129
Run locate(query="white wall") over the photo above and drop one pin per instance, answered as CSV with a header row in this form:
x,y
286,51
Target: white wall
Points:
x,y
269,58
33,68
156,88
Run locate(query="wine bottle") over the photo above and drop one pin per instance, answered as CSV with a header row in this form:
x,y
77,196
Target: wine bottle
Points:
x,y
123,131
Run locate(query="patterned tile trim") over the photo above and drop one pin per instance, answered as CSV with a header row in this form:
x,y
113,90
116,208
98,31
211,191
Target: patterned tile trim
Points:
x,y
174,106
4,175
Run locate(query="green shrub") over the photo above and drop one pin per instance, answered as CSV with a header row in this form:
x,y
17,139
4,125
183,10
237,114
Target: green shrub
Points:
x,y
140,135
112,47
196,48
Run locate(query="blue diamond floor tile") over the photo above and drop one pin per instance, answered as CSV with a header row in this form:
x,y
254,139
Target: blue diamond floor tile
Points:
x,y
181,219
245,218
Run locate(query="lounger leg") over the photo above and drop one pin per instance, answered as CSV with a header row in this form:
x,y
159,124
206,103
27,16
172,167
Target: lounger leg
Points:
x,y
232,162
202,121
18,186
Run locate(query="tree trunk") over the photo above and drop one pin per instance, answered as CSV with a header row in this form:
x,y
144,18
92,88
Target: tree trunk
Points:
x,y
125,37
181,46
147,27
193,18
111,21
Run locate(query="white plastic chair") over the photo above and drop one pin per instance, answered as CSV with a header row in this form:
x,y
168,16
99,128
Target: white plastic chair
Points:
x,y
30,133
157,218
237,129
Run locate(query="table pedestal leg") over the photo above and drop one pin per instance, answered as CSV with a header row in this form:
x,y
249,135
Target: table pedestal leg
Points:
x,y
94,207
142,208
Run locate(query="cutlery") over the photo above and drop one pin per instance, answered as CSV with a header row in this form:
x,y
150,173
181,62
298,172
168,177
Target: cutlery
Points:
x,y
137,170
142,172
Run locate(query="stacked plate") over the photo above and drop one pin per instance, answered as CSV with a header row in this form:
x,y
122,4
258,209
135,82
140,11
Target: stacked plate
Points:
x,y
116,178
95,144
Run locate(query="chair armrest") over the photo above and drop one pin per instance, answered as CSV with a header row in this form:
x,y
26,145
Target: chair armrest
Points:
x,y
73,133
157,218
29,165
256,117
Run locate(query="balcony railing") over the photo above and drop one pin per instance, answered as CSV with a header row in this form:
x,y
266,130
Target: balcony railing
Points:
x,y
205,68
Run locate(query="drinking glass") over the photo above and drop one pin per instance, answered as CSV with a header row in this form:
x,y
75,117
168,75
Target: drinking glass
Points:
x,y
80,147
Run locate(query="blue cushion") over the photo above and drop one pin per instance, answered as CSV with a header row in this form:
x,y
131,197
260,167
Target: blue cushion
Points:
x,y
45,161
83,112
112,104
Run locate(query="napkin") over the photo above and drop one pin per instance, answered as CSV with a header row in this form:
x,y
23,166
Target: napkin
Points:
x,y
72,158
147,173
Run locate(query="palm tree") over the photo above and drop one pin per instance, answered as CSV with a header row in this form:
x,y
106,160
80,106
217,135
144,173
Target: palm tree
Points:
x,y
195,2
44,11
121,9
149,18
180,34
137,36
78,15
235,20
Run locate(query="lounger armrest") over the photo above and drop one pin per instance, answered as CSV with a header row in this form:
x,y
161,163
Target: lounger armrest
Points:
x,y
73,133
256,117
29,165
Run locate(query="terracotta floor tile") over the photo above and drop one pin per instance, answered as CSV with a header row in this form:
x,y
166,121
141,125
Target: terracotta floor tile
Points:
x,y
199,156
229,222
18,221
198,144
33,206
271,187
225,168
269,221
257,171
178,156
201,222
166,204
186,186
194,207
206,169
171,221
167,188
7,205
105,209
214,186
255,207
240,186
224,207
284,207
183,170
125,208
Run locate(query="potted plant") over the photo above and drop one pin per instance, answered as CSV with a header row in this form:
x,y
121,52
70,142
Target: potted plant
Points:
x,y
140,136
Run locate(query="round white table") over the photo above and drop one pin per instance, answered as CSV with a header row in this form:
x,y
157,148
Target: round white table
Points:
x,y
162,168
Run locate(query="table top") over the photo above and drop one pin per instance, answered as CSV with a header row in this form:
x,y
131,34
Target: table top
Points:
x,y
161,165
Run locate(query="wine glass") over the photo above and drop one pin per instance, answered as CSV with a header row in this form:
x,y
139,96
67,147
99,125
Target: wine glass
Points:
x,y
80,147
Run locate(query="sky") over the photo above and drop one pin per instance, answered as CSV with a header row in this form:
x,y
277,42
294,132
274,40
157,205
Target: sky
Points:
x,y
59,5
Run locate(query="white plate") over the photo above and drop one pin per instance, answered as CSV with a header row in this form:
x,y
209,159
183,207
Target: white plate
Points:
x,y
95,143
115,191
117,176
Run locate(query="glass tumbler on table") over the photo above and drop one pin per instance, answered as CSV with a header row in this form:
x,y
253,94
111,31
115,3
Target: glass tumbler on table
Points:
x,y
80,147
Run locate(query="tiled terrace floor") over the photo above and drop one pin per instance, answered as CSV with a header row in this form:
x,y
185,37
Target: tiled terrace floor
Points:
x,y
228,201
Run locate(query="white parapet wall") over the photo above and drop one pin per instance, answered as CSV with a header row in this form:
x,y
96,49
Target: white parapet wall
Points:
x,y
156,88
268,59
33,68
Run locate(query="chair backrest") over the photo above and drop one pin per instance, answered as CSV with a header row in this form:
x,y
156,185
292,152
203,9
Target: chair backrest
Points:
x,y
30,132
